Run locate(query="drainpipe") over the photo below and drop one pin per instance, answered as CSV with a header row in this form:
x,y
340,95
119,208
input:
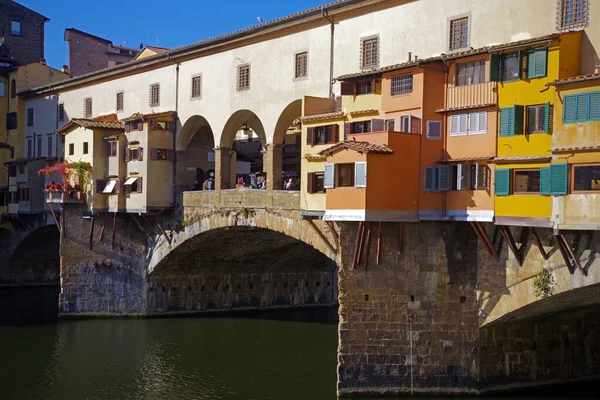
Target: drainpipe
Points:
x,y
325,14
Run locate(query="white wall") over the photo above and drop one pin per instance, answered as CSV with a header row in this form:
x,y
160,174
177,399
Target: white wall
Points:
x,y
44,126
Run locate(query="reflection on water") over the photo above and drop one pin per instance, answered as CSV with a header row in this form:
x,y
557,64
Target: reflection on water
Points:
x,y
249,356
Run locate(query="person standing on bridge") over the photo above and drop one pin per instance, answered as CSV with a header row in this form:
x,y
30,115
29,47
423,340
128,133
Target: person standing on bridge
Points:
x,y
205,184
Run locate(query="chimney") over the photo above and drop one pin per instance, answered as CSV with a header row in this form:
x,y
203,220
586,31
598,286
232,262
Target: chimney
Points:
x,y
43,61
416,57
65,69
409,56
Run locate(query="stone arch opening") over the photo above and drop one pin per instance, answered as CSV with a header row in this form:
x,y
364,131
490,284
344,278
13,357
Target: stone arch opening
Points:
x,y
35,260
241,267
286,151
195,154
240,157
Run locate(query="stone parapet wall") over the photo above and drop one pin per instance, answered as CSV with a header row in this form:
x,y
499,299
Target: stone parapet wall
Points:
x,y
243,198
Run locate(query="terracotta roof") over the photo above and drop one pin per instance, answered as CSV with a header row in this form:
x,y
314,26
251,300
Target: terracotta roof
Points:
x,y
578,148
360,112
450,56
361,147
463,159
320,117
465,107
91,123
157,50
116,46
315,158
137,116
575,79
524,158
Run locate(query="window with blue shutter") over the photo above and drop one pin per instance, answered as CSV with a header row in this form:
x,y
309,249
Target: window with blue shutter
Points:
x,y
537,61
545,188
444,178
518,120
502,182
581,107
505,121
569,109
431,179
559,177
548,118
594,104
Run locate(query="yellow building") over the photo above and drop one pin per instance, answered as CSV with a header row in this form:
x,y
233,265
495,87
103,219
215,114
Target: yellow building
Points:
x,y
526,102
575,178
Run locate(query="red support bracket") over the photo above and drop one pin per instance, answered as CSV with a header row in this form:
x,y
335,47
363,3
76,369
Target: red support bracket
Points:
x,y
538,243
379,244
368,245
56,221
401,238
507,234
321,235
485,239
357,246
334,233
568,254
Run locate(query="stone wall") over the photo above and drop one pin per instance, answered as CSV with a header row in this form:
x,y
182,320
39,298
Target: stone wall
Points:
x,y
29,46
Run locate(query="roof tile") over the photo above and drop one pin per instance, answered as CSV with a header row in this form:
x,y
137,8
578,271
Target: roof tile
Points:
x,y
361,147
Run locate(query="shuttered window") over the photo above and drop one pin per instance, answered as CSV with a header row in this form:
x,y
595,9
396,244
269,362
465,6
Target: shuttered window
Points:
x,y
196,87
120,101
505,67
444,176
434,130
301,65
459,33
545,188
243,77
360,174
581,107
322,134
537,60
111,148
472,124
511,121
87,107
315,182
369,52
559,177
478,123
162,154
502,182
431,179
154,95
329,179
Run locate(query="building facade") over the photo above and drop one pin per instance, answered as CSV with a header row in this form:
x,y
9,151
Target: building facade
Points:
x,y
21,34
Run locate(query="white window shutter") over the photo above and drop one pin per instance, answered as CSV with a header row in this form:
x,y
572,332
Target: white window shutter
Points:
x,y
463,124
328,180
483,122
360,174
454,125
474,123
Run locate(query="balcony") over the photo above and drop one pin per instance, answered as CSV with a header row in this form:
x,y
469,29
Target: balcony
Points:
x,y
472,95
321,105
61,197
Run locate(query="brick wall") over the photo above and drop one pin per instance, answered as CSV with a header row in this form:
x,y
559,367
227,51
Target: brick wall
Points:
x,y
29,46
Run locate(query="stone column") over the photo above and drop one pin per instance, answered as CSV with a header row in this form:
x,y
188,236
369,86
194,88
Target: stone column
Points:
x,y
273,165
223,163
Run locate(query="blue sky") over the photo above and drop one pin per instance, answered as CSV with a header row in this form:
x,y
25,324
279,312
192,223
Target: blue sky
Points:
x,y
131,22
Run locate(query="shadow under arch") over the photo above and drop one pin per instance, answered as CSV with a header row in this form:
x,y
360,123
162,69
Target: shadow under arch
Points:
x,y
195,153
290,113
36,259
287,147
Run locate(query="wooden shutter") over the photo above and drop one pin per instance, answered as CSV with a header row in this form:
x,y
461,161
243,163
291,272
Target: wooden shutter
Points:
x,y
360,174
537,61
310,188
545,187
127,127
170,155
127,154
434,130
431,179
502,182
505,121
559,177
347,129
335,133
518,116
415,124
310,135
594,106
482,173
138,185
377,125
569,109
443,177
153,154
581,107
348,88
118,186
482,122
140,154
474,123
462,124
463,177
329,177
547,118
454,122
154,125
100,184
495,64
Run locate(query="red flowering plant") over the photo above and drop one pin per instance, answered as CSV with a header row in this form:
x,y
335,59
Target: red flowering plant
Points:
x,y
75,176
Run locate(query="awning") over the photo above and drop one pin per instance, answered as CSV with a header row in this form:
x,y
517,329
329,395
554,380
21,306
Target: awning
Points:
x,y
110,186
130,181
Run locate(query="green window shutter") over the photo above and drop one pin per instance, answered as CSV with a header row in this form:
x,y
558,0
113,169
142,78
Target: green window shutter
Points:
x,y
581,107
545,181
537,62
595,106
531,64
518,119
502,182
495,62
558,179
547,117
504,121
569,109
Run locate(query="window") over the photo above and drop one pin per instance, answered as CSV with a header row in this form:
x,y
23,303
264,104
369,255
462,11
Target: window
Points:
x,y
301,66
30,117
389,124
369,52
469,177
459,33
434,130
511,121
505,67
87,107
154,95
345,175
196,87
134,126
581,107
526,181
586,178
108,187
134,154
111,148
49,152
61,112
361,127
85,147
162,154
470,73
29,148
23,194
478,123
2,89
13,89
133,185
71,149
12,171
322,134
405,123
572,14
401,84
120,101
15,28
364,87
458,125
243,77
536,119
39,147
11,121
537,61
21,169
316,182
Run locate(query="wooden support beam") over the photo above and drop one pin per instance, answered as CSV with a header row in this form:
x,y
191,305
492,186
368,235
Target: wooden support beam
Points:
x,y
92,231
507,234
357,245
140,226
573,256
114,229
103,226
361,243
563,252
485,239
334,233
162,230
316,228
368,245
56,221
379,244
401,238
538,243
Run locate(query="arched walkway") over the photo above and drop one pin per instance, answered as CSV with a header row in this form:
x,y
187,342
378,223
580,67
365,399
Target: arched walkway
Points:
x,y
286,148
195,153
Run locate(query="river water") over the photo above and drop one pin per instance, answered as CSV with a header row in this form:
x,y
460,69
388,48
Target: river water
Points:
x,y
277,355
